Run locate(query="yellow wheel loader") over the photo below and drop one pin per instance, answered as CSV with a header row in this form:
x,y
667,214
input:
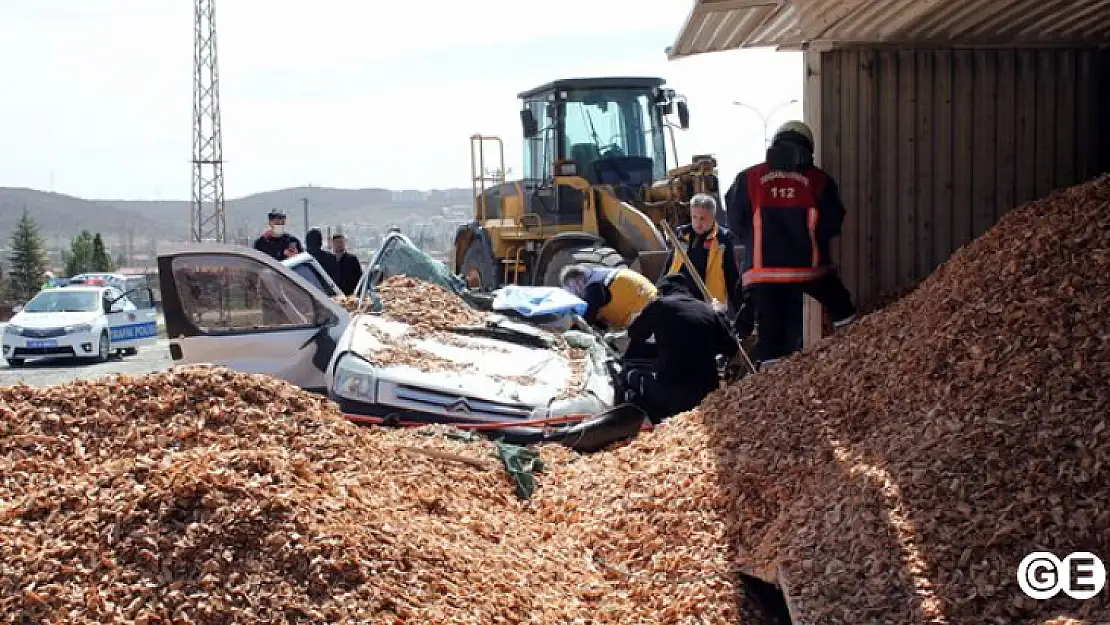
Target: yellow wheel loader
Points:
x,y
595,187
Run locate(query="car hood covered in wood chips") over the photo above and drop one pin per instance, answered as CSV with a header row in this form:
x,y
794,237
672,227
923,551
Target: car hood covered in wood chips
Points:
x,y
899,472
429,338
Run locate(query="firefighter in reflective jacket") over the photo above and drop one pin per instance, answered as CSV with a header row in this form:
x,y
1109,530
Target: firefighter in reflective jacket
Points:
x,y
711,251
613,296
786,211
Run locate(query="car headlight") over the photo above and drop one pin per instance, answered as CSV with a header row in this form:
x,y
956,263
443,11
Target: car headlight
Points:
x,y
13,329
354,379
78,328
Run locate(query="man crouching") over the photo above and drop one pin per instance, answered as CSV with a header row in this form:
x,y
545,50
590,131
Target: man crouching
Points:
x,y
689,335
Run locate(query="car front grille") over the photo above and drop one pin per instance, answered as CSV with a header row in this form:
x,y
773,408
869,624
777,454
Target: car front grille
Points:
x,y
43,333
25,352
456,406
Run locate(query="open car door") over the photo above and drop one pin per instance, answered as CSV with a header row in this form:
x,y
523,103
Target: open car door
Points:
x,y
133,319
234,306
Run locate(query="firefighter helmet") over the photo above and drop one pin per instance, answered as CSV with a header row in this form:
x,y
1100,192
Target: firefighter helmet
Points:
x,y
795,129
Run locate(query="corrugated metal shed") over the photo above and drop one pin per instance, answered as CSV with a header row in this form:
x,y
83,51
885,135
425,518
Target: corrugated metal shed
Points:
x,y
931,147
716,25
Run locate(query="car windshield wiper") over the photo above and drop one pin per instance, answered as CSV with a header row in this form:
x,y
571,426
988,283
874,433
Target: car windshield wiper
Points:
x,y
500,328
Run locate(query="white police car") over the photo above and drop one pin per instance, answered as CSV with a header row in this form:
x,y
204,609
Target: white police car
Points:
x,y
81,321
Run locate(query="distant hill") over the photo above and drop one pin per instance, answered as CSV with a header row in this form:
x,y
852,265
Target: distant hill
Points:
x,y
62,216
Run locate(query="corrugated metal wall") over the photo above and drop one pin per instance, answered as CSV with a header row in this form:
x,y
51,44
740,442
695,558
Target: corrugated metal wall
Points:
x,y
931,147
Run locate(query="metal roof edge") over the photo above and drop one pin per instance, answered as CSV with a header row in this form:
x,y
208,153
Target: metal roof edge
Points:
x,y
670,50
721,25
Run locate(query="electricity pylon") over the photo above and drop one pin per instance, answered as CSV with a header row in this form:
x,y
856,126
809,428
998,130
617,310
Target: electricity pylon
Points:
x,y
206,212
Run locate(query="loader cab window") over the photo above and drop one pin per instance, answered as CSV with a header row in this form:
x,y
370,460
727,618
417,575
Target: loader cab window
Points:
x,y
539,151
621,126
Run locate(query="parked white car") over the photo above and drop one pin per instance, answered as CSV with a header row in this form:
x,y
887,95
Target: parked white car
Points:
x,y
87,322
234,306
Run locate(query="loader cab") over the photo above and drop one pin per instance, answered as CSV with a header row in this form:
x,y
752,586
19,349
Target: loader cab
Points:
x,y
609,131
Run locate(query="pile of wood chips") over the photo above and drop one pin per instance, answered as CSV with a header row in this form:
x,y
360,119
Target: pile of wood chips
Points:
x,y
898,472
206,496
427,307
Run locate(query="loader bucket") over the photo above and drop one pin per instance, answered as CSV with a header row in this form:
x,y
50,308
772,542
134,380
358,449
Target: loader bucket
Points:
x,y
652,265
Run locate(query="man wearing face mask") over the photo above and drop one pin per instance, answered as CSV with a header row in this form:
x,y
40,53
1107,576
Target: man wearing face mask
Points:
x,y
711,250
275,241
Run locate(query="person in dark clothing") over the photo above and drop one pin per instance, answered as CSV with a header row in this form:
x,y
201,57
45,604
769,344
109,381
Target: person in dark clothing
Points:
x,y
348,266
712,251
275,241
689,335
314,244
786,211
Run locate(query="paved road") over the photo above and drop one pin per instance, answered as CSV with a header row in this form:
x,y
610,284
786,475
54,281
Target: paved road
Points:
x,y
44,373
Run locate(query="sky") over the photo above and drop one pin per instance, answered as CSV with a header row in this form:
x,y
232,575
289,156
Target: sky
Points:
x,y
341,93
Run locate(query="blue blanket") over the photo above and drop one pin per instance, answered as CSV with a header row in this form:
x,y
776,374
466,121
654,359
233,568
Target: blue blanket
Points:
x,y
534,301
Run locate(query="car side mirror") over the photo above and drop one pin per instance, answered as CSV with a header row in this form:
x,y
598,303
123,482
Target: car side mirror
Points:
x,y
18,308
325,318
528,122
683,116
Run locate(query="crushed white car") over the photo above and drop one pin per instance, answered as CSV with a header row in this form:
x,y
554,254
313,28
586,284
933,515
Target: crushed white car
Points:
x,y
234,306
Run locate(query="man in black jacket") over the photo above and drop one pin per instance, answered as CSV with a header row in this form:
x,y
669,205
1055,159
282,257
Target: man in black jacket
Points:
x,y
689,335
348,267
275,241
314,242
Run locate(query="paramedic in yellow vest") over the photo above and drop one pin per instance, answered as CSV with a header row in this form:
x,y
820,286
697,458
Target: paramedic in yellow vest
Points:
x,y
613,296
710,248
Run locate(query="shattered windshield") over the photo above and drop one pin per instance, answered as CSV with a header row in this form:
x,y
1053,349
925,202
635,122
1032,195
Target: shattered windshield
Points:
x,y
397,256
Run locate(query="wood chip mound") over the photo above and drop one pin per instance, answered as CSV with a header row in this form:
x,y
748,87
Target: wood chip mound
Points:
x,y
425,306
900,471
205,496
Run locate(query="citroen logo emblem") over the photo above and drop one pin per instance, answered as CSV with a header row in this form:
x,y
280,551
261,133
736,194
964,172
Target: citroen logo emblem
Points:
x,y
459,405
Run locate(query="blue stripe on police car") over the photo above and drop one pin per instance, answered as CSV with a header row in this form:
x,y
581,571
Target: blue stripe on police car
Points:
x,y
134,331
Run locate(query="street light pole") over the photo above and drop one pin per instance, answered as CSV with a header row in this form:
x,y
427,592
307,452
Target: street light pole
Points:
x,y
765,119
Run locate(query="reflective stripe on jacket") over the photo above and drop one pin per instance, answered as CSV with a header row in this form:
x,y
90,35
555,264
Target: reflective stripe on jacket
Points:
x,y
785,225
714,275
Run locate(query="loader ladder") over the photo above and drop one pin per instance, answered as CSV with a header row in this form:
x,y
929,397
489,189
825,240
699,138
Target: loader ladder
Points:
x,y
480,176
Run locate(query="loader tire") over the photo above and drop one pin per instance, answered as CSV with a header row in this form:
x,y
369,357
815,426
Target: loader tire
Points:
x,y
593,256
478,268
